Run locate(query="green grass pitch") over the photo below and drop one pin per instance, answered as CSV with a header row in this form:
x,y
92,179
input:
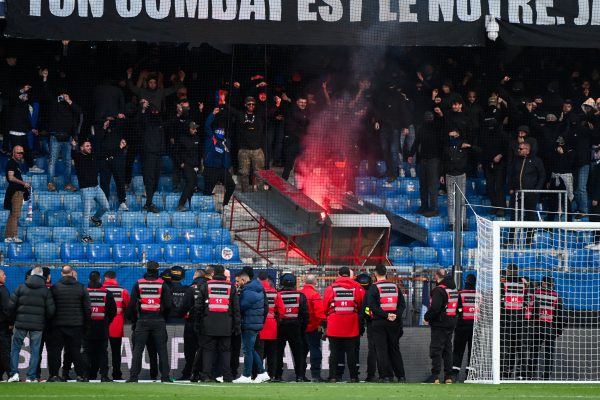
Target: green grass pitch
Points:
x,y
294,391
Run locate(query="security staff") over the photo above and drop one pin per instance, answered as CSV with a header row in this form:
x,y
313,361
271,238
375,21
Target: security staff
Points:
x,y
190,338
116,330
463,334
104,310
512,319
151,303
217,317
291,326
545,313
268,334
386,305
441,317
342,301
313,334
202,280
365,320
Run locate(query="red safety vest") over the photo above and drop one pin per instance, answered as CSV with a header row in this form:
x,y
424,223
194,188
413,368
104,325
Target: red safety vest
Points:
x,y
194,287
150,294
452,304
219,293
514,295
98,303
344,300
117,292
467,301
271,294
388,295
291,302
546,303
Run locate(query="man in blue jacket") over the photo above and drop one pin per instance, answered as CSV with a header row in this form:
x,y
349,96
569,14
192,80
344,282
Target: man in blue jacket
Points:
x,y
252,307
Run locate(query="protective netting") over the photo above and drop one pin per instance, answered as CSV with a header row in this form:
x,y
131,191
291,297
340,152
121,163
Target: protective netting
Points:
x,y
544,325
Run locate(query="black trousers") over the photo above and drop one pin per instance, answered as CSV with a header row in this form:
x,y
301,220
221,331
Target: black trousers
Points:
x,y
151,165
5,339
291,150
189,175
312,346
371,354
292,334
463,337
440,348
144,330
595,217
429,182
269,353
216,348
115,357
511,341
212,176
113,167
386,337
190,346
69,338
97,357
495,181
338,346
541,344
236,349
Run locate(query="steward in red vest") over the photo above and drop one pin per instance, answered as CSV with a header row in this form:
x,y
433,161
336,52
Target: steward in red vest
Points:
x,y
441,317
386,305
116,330
103,310
268,334
463,334
312,337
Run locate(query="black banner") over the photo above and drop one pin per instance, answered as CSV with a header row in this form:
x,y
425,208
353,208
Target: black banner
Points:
x,y
551,23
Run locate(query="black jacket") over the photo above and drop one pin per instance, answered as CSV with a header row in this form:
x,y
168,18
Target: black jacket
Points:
x,y
436,313
19,117
134,312
31,304
86,168
98,329
152,131
108,101
4,314
188,149
250,130
303,316
593,185
108,141
456,159
63,117
179,293
73,307
428,141
296,123
526,173
373,299
218,324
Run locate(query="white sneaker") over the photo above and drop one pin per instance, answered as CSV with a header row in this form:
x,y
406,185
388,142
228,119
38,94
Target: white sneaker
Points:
x,y
413,173
123,207
14,378
36,170
593,246
260,378
402,173
243,379
31,381
17,240
219,379
9,240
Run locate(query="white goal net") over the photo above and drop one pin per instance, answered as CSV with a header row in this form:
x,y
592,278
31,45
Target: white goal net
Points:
x,y
538,302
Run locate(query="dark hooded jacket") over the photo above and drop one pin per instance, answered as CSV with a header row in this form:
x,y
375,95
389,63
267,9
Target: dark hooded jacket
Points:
x,y
31,304
73,307
436,314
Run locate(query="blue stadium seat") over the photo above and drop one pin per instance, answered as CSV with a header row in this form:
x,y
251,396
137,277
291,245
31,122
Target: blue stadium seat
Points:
x,y
47,252
158,220
184,220
97,233
203,203
171,201
133,219
400,255
425,256
153,252
39,182
167,235
219,236
470,240
75,218
579,290
137,184
99,253
364,186
133,203
20,252
409,187
176,253
72,252
49,201
583,258
4,216
524,259
72,201
111,219
434,224
544,240
64,234
209,220
165,183
227,254
446,257
192,236
386,189
398,204
202,253
39,234
116,235
142,235
57,218
440,239
124,253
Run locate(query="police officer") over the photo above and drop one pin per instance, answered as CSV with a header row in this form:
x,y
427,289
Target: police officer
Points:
x,y
178,291
386,305
268,334
343,301
463,334
203,277
441,317
104,310
365,319
512,319
151,303
291,326
218,316
545,313
116,330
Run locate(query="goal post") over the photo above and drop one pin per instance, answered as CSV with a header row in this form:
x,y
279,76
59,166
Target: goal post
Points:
x,y
538,302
